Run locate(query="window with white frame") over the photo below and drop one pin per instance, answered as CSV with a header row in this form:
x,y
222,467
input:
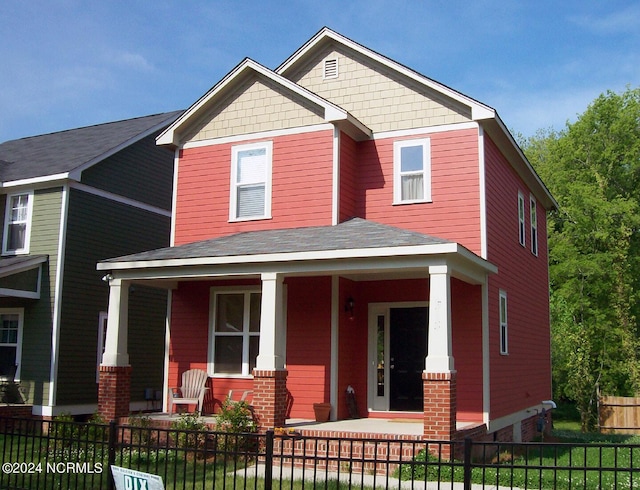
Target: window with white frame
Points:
x,y
533,212
251,181
11,320
412,171
235,331
521,228
504,338
17,229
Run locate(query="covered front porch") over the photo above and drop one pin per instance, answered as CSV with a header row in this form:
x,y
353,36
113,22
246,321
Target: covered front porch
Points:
x,y
301,316
362,428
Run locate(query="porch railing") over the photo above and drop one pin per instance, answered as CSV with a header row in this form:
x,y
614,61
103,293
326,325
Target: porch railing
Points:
x,y
55,454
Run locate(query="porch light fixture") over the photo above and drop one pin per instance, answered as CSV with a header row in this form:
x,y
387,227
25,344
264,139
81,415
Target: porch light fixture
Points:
x,y
348,307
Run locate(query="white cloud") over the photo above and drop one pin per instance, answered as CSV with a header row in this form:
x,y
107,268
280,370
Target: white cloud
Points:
x,y
132,60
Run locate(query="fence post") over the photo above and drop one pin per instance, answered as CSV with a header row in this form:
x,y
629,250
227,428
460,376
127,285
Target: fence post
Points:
x,y
467,463
268,461
113,440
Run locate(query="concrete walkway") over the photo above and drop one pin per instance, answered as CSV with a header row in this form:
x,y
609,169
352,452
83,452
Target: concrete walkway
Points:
x,y
359,480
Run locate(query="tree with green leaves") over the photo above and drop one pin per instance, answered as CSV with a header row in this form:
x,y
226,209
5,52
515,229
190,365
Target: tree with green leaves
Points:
x,y
593,170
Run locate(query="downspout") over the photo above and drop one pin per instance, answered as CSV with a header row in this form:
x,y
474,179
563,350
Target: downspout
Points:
x,y
486,351
57,299
335,208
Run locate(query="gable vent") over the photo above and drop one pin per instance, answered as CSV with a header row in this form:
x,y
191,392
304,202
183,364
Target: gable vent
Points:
x,y
330,68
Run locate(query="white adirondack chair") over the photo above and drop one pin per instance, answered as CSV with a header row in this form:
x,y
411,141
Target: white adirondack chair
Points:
x,y
192,390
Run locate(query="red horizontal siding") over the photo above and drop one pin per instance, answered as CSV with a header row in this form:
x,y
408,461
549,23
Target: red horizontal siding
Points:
x,y
522,378
308,343
302,175
455,188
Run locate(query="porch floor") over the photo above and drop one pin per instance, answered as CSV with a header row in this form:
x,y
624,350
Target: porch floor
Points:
x,y
376,427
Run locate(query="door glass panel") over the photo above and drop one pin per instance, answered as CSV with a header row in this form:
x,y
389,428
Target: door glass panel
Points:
x,y
380,355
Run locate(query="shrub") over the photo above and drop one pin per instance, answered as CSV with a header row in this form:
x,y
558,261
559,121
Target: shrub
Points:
x,y
191,431
236,417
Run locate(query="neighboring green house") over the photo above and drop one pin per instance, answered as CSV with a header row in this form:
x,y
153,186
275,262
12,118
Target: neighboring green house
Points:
x,y
71,199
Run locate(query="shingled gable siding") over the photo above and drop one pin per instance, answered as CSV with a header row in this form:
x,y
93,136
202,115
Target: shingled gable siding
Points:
x,y
256,105
454,213
99,228
514,385
301,187
38,320
378,97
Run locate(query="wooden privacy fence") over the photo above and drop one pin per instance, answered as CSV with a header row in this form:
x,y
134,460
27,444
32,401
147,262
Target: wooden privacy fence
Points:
x,y
619,414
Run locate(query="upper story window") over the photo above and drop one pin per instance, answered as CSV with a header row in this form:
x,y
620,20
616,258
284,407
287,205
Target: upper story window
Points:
x,y
235,331
412,171
10,342
504,339
17,227
251,181
521,229
534,225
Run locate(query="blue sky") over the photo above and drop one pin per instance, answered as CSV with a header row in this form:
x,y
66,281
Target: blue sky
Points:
x,y
72,63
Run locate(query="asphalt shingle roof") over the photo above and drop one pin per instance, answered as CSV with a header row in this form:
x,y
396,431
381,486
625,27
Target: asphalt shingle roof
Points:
x,y
355,233
61,152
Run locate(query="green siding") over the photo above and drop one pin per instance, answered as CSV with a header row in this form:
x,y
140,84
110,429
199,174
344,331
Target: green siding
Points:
x,y
127,172
98,228
38,321
23,281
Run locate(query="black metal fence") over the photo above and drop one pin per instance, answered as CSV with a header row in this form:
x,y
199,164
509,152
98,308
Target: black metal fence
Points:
x,y
69,455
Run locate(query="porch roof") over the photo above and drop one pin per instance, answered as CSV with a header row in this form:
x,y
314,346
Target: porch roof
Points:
x,y
347,247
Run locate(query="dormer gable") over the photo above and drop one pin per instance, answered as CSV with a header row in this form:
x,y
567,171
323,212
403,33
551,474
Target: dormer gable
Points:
x,y
253,99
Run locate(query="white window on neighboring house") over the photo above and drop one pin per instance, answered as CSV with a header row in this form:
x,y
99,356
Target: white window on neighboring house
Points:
x,y
504,338
251,181
102,341
17,228
534,225
235,331
521,228
11,320
412,171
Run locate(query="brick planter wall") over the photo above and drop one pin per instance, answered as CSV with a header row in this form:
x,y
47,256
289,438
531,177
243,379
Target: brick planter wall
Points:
x,y
270,398
114,391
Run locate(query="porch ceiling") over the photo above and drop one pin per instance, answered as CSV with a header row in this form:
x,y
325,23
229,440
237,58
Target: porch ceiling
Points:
x,y
358,249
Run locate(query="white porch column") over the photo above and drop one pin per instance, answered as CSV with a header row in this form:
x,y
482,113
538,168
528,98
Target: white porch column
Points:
x,y
271,355
439,358
116,348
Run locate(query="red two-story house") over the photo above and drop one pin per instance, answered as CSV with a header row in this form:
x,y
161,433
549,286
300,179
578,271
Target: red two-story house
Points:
x,y
343,221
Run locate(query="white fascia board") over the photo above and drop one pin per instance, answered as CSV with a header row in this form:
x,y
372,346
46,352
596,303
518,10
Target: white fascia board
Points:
x,y
331,111
48,179
478,110
288,256
388,259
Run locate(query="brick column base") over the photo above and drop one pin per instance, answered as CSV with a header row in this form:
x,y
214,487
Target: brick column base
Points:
x,y
114,391
439,405
270,397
